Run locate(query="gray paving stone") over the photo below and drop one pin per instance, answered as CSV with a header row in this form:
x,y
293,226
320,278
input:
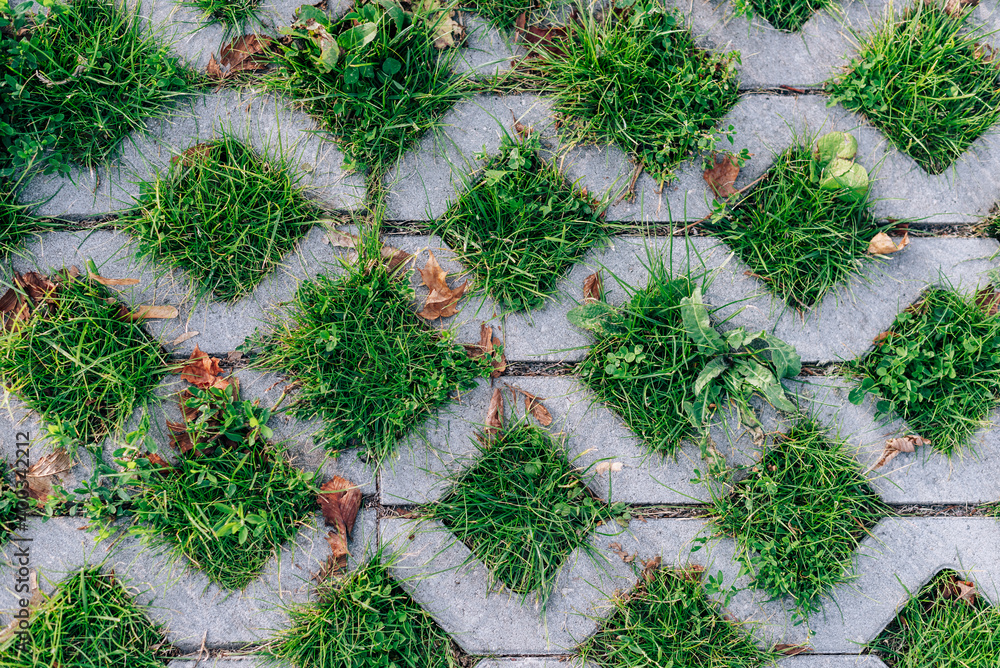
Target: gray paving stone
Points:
x,y
487,51
831,661
268,125
182,599
925,477
591,434
437,571
226,662
534,662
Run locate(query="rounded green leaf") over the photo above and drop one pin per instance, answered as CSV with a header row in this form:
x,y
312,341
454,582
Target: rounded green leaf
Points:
x,y
390,66
848,175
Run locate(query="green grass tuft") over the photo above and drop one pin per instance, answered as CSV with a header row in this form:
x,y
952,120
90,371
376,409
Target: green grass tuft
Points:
x,y
925,83
108,77
522,508
223,214
363,361
939,369
232,14
365,619
636,79
798,517
650,392
668,621
787,15
90,621
501,13
934,629
521,227
229,508
378,97
801,240
81,365
15,221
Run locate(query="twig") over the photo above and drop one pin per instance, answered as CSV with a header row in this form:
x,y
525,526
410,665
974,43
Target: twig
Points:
x,y
629,192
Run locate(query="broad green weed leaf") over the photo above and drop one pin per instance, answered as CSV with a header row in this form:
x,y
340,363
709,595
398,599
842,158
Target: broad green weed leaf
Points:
x,y
712,370
697,325
596,317
786,360
761,378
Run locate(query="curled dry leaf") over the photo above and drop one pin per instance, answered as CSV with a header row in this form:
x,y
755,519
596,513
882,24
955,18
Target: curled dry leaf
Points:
x,y
393,257
43,473
192,154
180,439
494,414
447,31
962,590
791,650
152,312
722,176
113,281
203,371
161,464
894,446
878,340
442,302
339,501
337,563
649,567
604,467
593,287
533,405
547,38
184,337
248,53
882,244
622,552
488,344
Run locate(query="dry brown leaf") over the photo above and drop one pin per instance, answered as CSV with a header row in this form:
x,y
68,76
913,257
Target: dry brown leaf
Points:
x,y
180,440
494,414
192,154
341,239
962,590
988,300
339,501
533,405
212,69
882,244
721,177
649,567
791,650
488,344
162,465
393,257
442,302
152,312
958,7
882,337
593,287
247,53
337,563
622,552
203,371
547,38
183,337
894,446
37,286
44,472
113,281
604,467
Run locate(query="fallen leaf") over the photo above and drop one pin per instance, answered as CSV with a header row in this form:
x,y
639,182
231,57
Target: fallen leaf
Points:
x,y
894,446
183,337
604,467
44,472
37,286
721,177
447,31
791,650
593,287
203,371
649,567
180,439
494,414
342,239
152,312
113,281
533,405
394,257
192,154
962,590
547,38
622,552
488,345
882,337
988,300
339,501
161,464
337,563
247,53
958,7
442,302
882,244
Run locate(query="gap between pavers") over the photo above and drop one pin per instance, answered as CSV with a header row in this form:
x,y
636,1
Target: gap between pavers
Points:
x,y
268,123
816,661
452,586
227,662
433,173
922,477
221,326
178,596
840,328
430,458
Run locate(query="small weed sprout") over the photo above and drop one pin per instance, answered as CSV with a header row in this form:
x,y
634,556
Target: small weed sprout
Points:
x,y
636,78
76,83
223,214
90,620
373,78
668,618
363,361
521,508
364,619
787,15
938,368
521,226
936,628
926,83
798,516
